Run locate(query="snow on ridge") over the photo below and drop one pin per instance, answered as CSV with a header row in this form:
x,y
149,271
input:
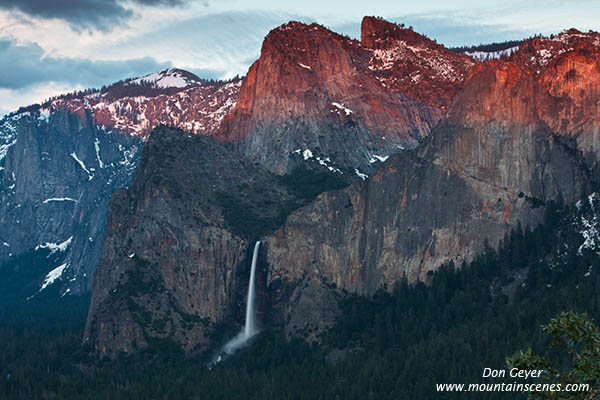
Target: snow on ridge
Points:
x,y
54,247
424,59
488,55
165,79
196,107
82,165
8,133
53,276
44,115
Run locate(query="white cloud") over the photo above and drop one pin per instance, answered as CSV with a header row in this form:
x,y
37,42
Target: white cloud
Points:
x,y
11,100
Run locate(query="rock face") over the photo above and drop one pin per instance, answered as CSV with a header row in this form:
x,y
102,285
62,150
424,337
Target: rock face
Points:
x,y
413,64
176,250
513,140
342,100
176,257
517,133
172,97
61,162
57,175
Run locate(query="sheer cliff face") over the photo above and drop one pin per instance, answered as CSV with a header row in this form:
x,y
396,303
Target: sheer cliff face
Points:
x,y
175,259
61,162
506,147
547,83
413,64
342,99
57,174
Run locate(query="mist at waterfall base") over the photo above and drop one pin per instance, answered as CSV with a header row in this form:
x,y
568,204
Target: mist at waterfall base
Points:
x,y
249,329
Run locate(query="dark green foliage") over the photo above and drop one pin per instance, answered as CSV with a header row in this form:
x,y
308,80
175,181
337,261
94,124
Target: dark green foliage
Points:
x,y
254,211
308,183
24,274
581,337
488,48
249,219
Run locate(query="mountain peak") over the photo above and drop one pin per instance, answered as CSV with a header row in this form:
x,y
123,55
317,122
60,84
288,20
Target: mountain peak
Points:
x,y
297,38
378,33
172,77
539,52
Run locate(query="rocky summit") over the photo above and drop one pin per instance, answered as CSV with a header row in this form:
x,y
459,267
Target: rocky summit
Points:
x,y
348,101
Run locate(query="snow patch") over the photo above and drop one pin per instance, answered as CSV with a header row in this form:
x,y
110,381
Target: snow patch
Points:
x,y
343,108
304,66
325,162
374,158
489,55
589,227
97,147
44,115
58,199
165,79
360,174
53,276
82,165
54,247
6,143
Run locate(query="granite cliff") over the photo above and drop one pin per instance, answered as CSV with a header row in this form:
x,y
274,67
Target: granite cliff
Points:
x,y
61,161
349,102
509,137
175,259
514,139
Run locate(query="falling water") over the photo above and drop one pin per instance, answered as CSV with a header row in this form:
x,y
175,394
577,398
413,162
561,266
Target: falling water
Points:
x,y
250,325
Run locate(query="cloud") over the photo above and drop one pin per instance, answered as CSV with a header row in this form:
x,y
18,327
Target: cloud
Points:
x,y
24,66
448,30
84,14
212,46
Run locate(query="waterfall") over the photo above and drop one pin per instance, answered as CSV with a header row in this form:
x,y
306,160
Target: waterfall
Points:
x,y
250,323
250,326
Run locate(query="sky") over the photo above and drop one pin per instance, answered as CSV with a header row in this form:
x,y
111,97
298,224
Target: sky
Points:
x,y
49,47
